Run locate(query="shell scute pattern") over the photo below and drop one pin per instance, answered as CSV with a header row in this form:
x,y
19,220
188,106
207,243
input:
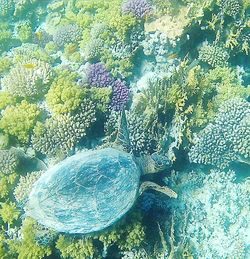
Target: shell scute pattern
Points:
x,y
86,192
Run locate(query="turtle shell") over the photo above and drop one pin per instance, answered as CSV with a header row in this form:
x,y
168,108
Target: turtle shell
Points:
x,y
86,192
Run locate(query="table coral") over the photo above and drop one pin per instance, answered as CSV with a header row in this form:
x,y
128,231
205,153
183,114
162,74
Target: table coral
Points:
x,y
227,139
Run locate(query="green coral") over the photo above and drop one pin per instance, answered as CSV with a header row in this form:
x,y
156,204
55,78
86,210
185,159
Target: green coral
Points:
x,y
27,247
64,96
19,120
7,183
6,99
24,31
9,212
75,248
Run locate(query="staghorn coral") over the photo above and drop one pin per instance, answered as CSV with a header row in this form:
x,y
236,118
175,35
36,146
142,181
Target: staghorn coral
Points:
x,y
212,208
213,55
227,139
28,79
120,95
60,134
139,8
24,186
69,33
19,120
8,161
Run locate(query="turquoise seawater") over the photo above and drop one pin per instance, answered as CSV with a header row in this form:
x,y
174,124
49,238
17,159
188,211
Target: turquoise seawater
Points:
x,y
125,129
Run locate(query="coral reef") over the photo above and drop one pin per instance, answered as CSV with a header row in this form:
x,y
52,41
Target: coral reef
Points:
x,y
227,139
99,76
67,34
211,209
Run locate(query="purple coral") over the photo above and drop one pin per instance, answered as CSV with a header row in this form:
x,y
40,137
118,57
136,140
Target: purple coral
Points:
x,y
99,76
139,8
120,95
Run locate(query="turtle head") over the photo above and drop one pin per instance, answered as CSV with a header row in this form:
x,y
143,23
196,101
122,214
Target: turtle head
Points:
x,y
153,163
160,162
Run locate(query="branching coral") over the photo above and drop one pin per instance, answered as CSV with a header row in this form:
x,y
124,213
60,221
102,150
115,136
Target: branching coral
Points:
x,y
24,186
8,161
9,212
231,7
28,78
139,8
227,139
98,76
213,55
120,95
19,120
6,8
60,134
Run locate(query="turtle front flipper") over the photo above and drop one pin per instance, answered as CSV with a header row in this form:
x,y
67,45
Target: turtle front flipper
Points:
x,y
163,189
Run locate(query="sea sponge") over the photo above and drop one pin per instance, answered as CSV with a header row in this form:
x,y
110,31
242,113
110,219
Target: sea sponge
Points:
x,y
227,139
28,79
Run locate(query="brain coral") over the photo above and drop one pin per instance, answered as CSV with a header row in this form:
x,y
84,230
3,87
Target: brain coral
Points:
x,y
227,139
28,78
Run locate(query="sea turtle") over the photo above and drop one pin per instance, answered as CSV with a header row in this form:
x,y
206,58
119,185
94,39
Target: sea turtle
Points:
x,y
91,190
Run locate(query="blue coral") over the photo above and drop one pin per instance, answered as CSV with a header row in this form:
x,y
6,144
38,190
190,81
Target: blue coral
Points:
x,y
139,8
98,76
120,95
